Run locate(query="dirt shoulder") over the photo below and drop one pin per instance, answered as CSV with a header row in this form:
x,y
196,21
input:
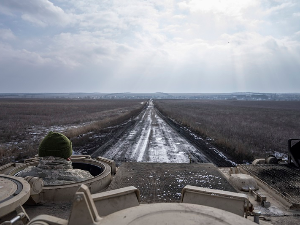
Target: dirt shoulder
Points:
x,y
211,152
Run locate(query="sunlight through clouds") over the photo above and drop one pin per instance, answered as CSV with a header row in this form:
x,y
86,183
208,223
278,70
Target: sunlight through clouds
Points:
x,y
230,7
148,46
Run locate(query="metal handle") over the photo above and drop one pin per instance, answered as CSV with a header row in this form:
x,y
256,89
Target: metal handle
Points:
x,y
15,219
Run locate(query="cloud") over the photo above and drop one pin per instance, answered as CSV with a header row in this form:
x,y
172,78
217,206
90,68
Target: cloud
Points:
x,y
280,7
296,14
39,12
7,34
74,50
217,6
166,45
10,56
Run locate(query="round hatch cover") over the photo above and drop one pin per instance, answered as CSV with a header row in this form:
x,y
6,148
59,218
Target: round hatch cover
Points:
x,y
173,214
14,191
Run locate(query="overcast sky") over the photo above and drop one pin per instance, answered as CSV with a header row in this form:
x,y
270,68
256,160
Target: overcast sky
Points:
x,y
149,46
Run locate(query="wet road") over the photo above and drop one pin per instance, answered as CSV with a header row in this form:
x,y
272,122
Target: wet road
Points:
x,y
152,140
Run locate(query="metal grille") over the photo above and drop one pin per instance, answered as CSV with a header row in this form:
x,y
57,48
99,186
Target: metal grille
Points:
x,y
284,179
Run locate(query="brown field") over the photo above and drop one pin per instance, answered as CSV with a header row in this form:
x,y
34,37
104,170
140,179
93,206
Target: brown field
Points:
x,y
242,129
24,122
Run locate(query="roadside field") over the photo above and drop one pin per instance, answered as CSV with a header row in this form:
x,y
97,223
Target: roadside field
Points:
x,y
24,122
243,130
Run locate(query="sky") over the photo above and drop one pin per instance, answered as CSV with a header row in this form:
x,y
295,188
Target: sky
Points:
x,y
144,46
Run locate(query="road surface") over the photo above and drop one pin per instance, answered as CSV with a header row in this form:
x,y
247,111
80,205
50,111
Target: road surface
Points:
x,y
152,140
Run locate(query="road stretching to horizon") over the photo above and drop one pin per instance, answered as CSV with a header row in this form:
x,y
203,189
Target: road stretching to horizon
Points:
x,y
153,140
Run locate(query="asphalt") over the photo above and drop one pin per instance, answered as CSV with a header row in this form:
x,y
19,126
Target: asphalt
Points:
x,y
163,182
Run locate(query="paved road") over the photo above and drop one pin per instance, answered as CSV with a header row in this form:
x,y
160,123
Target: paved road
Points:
x,y
152,140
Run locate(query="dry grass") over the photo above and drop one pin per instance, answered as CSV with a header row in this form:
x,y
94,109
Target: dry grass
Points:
x,y
24,122
243,129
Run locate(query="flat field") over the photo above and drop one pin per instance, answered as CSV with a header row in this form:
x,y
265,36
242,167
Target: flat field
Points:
x,y
24,122
242,129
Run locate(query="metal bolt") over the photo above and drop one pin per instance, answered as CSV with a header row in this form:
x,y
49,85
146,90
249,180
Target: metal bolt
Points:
x,y
78,198
256,214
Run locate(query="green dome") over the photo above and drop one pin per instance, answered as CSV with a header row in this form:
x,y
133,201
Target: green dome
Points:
x,y
55,144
